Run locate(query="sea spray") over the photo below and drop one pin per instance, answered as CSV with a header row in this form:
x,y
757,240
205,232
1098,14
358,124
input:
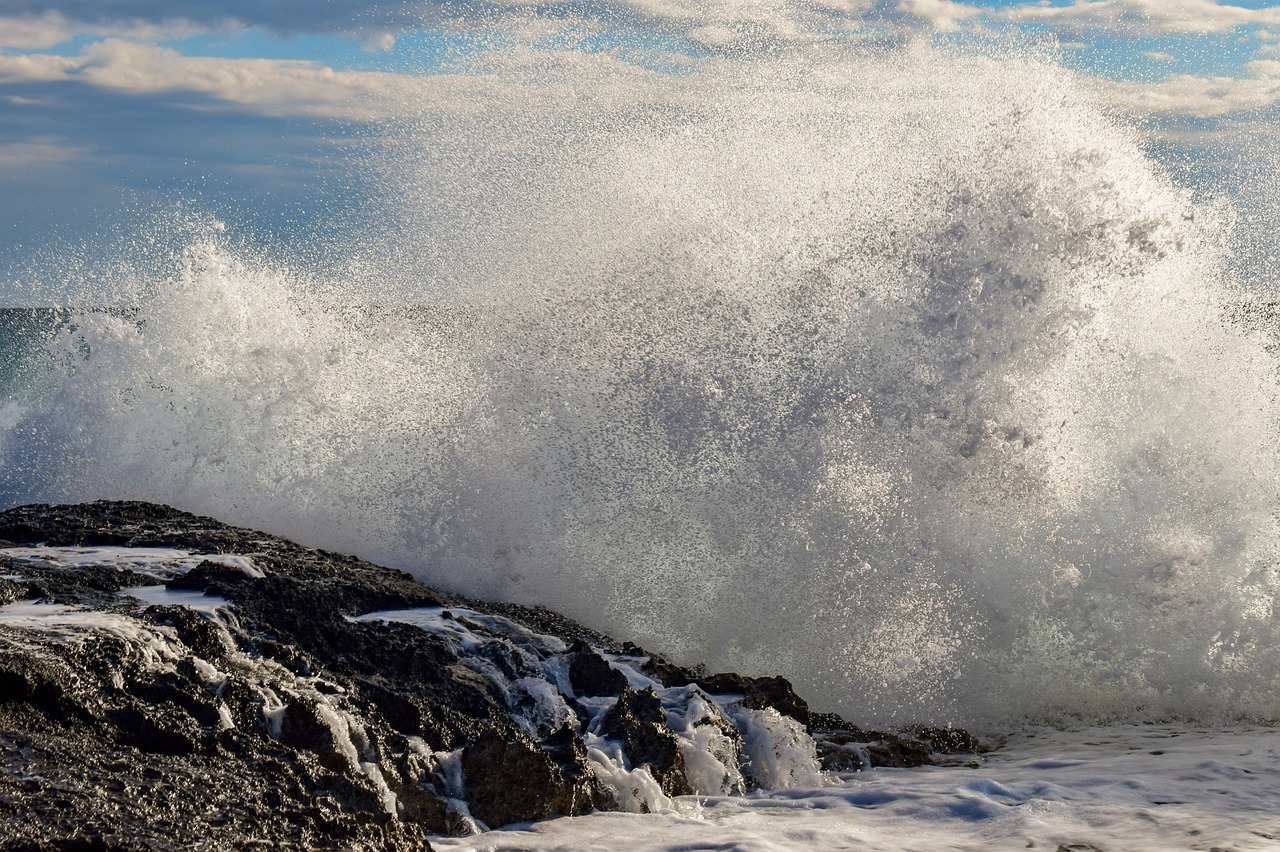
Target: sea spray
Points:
x,y
906,375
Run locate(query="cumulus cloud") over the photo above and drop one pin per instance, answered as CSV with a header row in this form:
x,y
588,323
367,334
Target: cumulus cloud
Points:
x,y
377,23
42,23
306,89
1143,17
941,15
1191,96
29,31
267,86
38,68
368,20
32,31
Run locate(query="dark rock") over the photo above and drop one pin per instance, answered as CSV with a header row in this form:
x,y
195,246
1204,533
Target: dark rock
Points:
x,y
157,733
180,690
666,672
590,674
286,722
543,620
97,843
640,722
40,684
948,740
511,779
210,575
566,748
301,727
899,753
401,712
758,693
11,591
422,806
829,722
776,692
195,631
843,747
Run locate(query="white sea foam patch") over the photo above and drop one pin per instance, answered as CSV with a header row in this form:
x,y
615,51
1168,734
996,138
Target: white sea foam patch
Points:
x,y
466,628
161,563
906,375
1148,789
158,563
156,647
163,596
725,747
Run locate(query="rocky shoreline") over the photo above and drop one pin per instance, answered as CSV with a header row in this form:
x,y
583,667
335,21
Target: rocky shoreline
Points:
x,y
168,681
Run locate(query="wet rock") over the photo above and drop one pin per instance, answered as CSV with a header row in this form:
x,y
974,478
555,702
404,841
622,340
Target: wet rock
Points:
x,y
29,682
775,692
285,720
97,843
666,672
193,630
590,674
400,711
210,576
758,693
640,722
155,732
899,752
180,691
421,805
302,727
567,750
948,740
11,591
843,747
510,778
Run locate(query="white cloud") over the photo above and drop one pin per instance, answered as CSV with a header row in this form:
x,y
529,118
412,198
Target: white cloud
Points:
x,y
369,21
283,88
28,32
942,15
1190,96
267,86
1268,69
304,88
1144,17
35,32
35,68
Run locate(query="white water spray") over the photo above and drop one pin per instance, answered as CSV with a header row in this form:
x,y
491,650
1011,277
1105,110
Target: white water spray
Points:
x,y
909,377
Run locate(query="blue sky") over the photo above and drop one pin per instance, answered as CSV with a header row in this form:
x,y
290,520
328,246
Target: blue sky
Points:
x,y
256,111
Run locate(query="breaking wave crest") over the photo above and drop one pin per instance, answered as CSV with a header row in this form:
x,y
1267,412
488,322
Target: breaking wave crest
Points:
x,y
907,376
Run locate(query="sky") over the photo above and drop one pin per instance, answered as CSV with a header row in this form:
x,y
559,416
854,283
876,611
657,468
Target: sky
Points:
x,y
259,111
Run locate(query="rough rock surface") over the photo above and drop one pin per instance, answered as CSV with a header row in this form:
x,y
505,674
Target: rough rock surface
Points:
x,y
276,712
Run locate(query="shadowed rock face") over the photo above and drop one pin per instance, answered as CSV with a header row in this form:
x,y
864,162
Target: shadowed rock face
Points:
x,y
290,697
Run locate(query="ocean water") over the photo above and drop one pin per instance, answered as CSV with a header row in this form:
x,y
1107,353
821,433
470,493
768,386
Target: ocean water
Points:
x,y
908,373
1146,789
